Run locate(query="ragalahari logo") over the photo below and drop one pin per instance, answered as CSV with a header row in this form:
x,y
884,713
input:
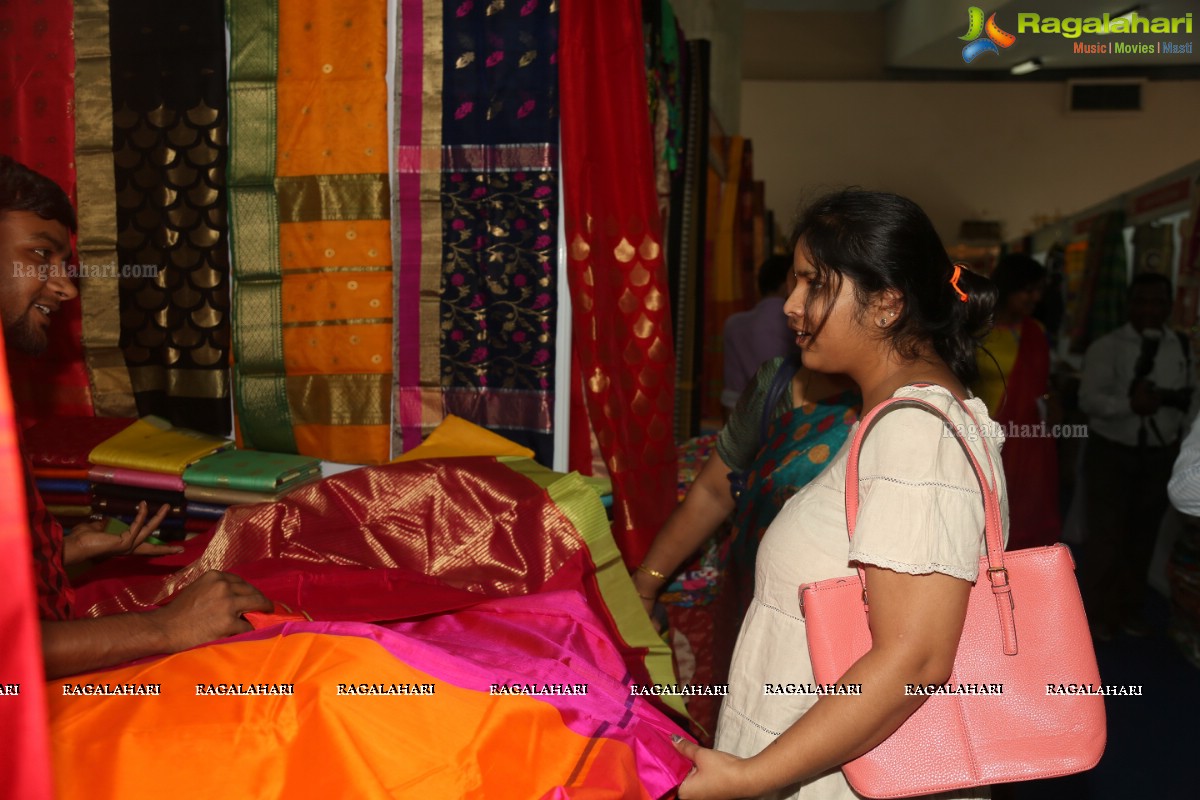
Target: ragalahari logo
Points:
x,y
996,38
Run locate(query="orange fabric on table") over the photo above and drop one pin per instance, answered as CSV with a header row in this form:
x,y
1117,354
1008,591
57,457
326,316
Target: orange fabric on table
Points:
x,y
457,437
454,743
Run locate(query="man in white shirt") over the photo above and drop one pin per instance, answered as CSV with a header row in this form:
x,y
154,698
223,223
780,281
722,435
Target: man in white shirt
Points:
x,y
1137,391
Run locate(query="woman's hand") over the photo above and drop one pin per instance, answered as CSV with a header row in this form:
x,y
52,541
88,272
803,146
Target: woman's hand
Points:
x,y
715,776
90,540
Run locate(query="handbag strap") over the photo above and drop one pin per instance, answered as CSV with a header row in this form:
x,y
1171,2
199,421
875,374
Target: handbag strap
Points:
x,y
993,525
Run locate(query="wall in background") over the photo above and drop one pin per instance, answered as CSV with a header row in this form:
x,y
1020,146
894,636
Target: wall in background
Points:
x,y
964,150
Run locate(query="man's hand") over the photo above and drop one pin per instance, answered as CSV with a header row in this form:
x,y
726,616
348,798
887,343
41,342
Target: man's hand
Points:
x,y
209,608
90,540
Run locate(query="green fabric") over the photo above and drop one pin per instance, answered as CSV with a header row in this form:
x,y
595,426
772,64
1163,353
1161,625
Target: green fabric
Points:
x,y
260,390
1107,241
251,470
739,441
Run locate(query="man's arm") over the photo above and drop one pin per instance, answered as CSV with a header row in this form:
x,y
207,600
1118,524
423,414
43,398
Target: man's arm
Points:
x,y
208,609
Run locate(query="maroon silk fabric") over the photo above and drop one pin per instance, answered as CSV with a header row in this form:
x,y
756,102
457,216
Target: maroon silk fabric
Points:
x,y
1029,455
37,109
400,541
623,363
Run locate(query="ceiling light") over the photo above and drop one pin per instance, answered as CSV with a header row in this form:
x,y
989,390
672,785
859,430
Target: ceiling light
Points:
x,y
1026,67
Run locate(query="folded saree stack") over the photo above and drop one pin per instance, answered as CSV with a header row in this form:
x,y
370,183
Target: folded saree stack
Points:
x,y
145,462
58,452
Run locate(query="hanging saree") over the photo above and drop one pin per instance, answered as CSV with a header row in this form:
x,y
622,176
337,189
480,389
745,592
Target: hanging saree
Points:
x,y
723,286
96,208
1030,460
476,219
686,251
37,109
1102,297
310,230
623,361
167,132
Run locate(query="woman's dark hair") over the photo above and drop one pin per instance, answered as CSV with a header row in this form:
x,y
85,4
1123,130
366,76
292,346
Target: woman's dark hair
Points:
x,y
22,189
1014,273
883,241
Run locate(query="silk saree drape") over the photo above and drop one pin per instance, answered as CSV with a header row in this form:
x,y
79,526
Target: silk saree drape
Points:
x,y
476,218
308,190
623,361
167,132
37,108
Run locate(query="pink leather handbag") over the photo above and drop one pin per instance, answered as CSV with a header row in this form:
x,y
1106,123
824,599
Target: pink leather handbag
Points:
x,y
1025,632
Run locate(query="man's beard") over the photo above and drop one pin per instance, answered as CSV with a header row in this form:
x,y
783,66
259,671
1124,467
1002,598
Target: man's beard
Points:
x,y
25,336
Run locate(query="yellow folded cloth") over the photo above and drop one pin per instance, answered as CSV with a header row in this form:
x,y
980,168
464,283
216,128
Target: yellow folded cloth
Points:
x,y
457,437
155,445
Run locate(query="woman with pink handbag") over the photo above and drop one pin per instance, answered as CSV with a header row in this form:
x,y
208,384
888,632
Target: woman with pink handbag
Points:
x,y
877,299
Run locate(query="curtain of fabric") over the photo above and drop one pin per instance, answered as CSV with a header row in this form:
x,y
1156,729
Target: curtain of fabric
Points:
x,y
24,741
1107,244
476,218
1074,268
37,108
724,293
665,71
685,253
1101,300
1030,462
99,282
623,360
168,118
312,268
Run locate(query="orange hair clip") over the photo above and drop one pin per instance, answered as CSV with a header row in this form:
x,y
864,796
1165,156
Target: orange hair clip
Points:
x,y
954,282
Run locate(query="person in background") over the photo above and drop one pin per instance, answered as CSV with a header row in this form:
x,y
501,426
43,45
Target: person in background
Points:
x,y
1014,381
784,429
754,337
36,223
1183,566
1137,390
876,299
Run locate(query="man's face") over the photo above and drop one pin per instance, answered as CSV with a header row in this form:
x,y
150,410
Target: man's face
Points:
x,y
1149,306
34,253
